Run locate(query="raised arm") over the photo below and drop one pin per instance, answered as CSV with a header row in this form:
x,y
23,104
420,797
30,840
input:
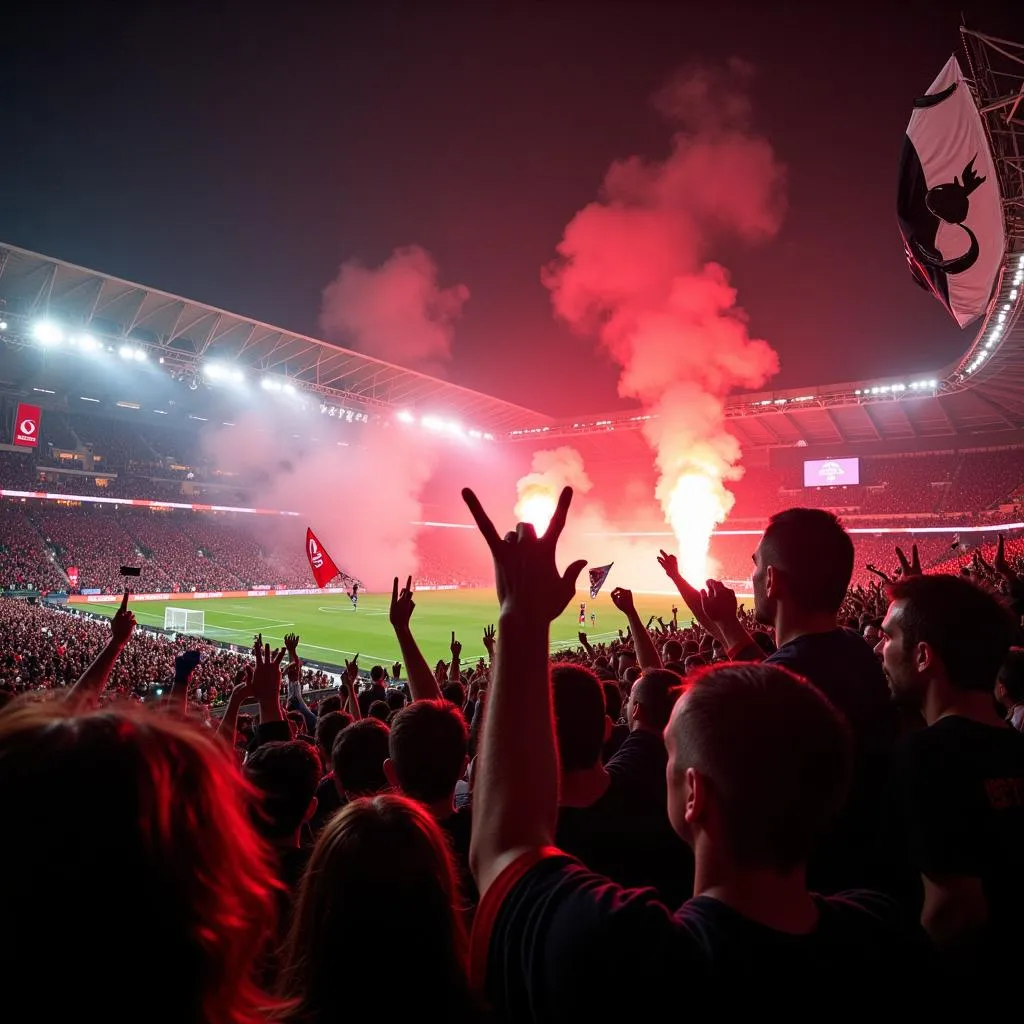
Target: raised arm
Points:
x,y
422,683
516,793
91,683
646,653
689,594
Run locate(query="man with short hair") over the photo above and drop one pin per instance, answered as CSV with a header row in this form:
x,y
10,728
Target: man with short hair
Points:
x,y
613,816
428,751
358,757
758,762
961,778
802,569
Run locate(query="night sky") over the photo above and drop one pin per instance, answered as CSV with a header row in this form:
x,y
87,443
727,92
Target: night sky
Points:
x,y
238,158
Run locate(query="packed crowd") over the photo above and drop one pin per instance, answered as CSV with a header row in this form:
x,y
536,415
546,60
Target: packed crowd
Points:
x,y
818,798
950,483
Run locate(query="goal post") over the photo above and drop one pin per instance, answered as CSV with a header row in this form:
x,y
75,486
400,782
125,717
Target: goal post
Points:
x,y
185,620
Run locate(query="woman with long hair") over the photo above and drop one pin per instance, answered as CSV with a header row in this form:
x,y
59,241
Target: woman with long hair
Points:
x,y
381,889
135,887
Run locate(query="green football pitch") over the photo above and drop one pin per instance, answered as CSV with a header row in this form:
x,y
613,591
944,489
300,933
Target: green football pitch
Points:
x,y
331,630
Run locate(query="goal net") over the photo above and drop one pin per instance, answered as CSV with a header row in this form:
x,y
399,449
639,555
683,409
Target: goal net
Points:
x,y
185,620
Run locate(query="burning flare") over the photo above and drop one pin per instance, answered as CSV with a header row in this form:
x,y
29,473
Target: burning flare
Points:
x,y
633,268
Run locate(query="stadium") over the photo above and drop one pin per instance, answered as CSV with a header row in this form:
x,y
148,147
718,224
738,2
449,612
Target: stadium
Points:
x,y
130,383
516,607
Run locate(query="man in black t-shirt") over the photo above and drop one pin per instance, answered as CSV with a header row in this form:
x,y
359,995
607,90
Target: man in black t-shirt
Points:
x,y
758,761
961,779
802,569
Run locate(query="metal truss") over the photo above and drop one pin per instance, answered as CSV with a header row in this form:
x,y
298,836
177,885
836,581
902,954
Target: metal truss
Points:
x,y
185,334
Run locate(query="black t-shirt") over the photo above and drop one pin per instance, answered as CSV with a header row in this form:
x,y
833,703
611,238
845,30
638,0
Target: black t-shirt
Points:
x,y
557,942
862,849
962,789
625,834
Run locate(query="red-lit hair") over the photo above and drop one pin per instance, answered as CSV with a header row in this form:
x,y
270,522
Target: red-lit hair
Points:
x,y
130,851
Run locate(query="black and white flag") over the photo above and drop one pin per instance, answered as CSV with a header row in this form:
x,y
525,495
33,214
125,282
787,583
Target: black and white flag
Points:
x,y
949,206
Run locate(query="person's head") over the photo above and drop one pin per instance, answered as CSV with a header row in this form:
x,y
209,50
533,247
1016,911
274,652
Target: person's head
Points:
x,y
671,650
612,700
630,676
945,631
296,723
581,724
358,757
694,663
871,634
327,728
286,776
625,660
651,700
151,839
758,763
804,562
329,705
379,709
428,750
454,693
381,877
379,675
1010,681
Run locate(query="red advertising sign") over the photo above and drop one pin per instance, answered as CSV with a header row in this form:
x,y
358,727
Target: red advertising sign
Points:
x,y
26,426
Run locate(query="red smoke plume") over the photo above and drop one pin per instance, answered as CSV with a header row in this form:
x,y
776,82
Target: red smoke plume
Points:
x,y
633,267
397,312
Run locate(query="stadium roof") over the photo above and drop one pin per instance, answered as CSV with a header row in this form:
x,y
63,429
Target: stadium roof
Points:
x,y
182,333
981,394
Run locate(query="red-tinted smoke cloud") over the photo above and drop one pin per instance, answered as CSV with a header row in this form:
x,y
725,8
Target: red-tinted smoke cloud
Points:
x,y
634,269
360,498
397,311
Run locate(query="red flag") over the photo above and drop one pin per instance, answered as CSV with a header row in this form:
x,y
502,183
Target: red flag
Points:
x,y
73,576
26,426
324,569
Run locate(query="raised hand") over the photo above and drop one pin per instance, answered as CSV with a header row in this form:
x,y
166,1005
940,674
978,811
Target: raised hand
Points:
x,y
623,600
185,664
669,563
877,572
527,580
243,680
266,676
911,567
1000,564
291,643
718,602
402,604
488,638
123,622
456,648
352,669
